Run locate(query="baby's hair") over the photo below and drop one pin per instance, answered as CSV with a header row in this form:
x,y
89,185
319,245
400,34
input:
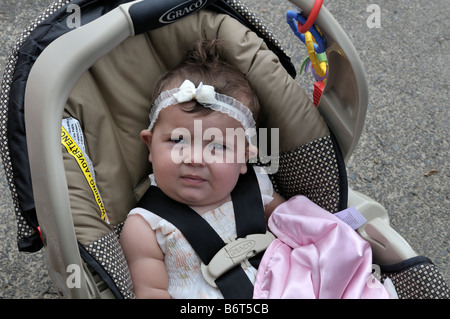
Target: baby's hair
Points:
x,y
204,64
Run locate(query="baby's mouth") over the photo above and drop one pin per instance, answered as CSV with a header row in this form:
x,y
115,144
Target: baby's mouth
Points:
x,y
193,179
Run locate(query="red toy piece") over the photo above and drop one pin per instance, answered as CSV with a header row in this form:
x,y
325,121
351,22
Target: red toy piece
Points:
x,y
317,94
311,18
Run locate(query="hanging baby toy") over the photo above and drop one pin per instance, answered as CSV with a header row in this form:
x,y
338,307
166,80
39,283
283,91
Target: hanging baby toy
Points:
x,y
310,35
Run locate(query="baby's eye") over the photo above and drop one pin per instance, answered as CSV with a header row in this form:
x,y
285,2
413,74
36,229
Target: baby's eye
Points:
x,y
177,140
217,146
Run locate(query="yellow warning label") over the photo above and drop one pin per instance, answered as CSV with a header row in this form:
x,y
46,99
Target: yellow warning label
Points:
x,y
73,149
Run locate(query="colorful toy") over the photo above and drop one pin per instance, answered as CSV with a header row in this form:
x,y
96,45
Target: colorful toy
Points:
x,y
308,33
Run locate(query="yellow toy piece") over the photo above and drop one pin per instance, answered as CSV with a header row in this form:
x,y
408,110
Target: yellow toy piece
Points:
x,y
319,66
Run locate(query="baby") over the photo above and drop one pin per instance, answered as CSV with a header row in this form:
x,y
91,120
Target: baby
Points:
x,y
199,139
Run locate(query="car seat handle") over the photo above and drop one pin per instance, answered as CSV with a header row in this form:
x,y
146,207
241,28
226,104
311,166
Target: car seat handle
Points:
x,y
148,15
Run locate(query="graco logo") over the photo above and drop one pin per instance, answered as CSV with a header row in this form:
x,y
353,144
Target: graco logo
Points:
x,y
182,10
241,248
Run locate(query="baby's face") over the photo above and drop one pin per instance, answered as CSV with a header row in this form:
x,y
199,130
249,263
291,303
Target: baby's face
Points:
x,y
196,159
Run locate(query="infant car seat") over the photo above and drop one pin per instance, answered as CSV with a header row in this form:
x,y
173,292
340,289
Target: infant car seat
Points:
x,y
74,99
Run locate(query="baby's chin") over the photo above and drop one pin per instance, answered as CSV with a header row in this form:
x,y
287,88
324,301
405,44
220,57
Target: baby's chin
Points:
x,y
207,206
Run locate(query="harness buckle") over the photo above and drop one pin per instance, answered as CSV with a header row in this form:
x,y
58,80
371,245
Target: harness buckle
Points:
x,y
234,253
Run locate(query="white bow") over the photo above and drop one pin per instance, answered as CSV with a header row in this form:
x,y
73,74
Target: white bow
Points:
x,y
204,94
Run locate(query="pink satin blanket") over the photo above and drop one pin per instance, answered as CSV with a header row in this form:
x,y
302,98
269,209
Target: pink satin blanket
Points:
x,y
315,255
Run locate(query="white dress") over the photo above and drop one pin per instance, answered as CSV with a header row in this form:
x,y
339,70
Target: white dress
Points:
x,y
182,262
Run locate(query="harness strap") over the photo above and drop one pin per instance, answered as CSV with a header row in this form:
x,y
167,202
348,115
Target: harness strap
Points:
x,y
249,217
249,209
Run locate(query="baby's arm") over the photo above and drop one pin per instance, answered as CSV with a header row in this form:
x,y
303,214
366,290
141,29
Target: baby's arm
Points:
x,y
145,259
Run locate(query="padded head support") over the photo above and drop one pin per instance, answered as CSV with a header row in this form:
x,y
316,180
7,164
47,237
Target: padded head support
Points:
x,y
112,101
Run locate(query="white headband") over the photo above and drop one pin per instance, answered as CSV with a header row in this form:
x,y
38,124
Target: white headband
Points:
x,y
205,95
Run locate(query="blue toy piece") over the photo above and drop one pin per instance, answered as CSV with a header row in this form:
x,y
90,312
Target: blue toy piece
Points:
x,y
293,16
315,44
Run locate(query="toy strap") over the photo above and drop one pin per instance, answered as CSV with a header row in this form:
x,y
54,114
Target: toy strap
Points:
x,y
249,217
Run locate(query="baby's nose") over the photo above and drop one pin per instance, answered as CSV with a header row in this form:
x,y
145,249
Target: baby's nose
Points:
x,y
196,156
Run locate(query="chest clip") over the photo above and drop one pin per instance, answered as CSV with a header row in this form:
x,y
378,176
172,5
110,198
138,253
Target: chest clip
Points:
x,y
234,253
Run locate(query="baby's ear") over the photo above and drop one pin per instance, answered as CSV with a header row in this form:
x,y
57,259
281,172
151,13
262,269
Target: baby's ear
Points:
x,y
146,137
243,169
252,151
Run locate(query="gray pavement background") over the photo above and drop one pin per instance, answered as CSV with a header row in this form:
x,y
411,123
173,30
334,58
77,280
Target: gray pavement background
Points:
x,y
405,136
